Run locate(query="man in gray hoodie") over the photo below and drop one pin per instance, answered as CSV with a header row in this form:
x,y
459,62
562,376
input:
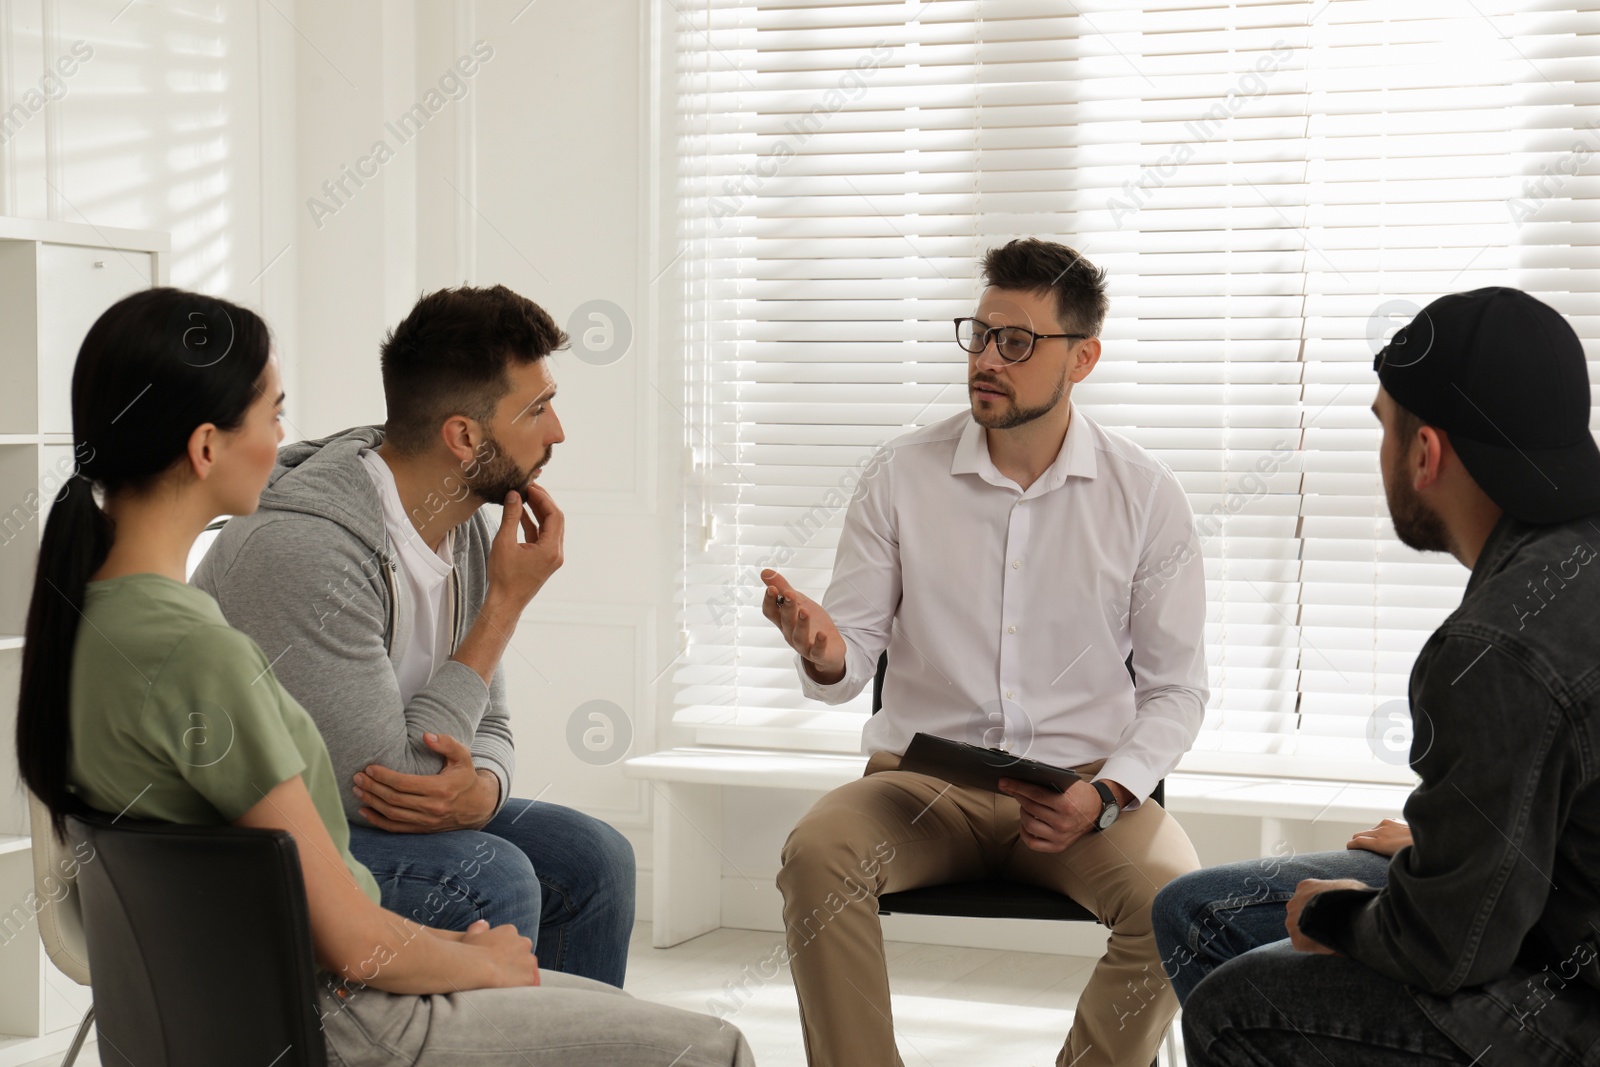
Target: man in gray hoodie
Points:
x,y
372,579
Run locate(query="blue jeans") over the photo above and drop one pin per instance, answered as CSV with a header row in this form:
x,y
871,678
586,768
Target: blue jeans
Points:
x,y
562,878
1204,919
1276,1007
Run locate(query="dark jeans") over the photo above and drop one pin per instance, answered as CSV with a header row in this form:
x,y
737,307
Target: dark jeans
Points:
x,y
1275,1007
563,878
1250,999
1206,918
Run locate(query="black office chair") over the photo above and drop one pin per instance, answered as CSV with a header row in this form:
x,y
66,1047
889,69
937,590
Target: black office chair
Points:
x,y
199,944
993,898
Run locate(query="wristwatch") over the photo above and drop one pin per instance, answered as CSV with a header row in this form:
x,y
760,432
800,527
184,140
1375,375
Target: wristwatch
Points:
x,y
1110,811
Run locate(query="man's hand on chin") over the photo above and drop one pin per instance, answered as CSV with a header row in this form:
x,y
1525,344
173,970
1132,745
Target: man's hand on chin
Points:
x,y
459,797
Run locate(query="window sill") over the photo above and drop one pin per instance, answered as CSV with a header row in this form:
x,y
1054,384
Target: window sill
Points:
x,y
1252,796
810,730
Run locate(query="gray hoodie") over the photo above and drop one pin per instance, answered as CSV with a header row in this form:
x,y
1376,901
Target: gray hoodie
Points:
x,y
311,576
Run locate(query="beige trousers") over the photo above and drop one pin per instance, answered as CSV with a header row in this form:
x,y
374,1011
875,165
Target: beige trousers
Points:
x,y
893,830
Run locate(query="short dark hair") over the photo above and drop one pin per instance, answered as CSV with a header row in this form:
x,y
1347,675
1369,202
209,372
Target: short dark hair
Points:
x,y
1033,266
449,357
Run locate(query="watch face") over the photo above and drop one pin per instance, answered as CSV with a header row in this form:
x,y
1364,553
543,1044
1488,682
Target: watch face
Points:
x,y
1109,815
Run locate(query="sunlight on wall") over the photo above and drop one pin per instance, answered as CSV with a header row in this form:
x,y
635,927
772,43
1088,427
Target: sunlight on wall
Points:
x,y
160,130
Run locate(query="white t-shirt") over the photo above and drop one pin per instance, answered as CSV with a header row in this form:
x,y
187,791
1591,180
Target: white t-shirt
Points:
x,y
426,575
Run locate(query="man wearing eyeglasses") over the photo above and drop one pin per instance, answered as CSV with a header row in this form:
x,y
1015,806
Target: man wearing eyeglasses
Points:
x,y
1009,559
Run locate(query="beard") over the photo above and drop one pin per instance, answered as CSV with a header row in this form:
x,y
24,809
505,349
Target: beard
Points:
x,y
1417,525
1010,415
499,474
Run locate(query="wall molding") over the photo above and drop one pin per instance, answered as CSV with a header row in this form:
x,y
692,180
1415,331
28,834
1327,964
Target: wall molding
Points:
x,y
466,153
8,157
640,620
50,48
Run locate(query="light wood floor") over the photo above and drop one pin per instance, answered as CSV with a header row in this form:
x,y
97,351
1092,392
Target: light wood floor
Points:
x,y
952,1006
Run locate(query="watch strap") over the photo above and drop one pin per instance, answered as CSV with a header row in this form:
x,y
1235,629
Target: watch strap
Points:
x,y
1109,800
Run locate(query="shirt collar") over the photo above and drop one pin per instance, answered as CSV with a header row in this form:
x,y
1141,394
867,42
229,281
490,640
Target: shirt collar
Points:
x,y
1077,456
1496,547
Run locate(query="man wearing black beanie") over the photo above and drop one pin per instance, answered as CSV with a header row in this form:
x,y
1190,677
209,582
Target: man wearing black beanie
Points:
x,y
1483,946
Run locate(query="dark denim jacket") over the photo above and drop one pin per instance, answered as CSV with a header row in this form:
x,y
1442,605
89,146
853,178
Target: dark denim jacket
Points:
x,y
1492,917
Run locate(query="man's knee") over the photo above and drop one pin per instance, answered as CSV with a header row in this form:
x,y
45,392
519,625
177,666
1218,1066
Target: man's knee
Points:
x,y
614,855
450,879
823,882
1208,1009
580,849
1232,992
1176,908
1140,892
608,867
820,832
1198,1020
492,864
458,856
842,851
1226,1000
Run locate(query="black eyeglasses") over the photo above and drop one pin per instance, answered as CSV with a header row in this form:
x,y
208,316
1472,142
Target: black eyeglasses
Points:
x,y
1014,343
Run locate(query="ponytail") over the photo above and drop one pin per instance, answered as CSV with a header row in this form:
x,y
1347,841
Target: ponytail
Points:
x,y
77,537
156,365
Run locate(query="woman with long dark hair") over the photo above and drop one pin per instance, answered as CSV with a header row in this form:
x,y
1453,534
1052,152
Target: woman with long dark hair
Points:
x,y
137,697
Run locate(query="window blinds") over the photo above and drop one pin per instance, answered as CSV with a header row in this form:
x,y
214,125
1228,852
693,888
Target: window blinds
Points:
x,y
1273,188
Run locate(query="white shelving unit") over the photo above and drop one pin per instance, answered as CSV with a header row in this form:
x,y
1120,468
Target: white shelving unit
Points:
x,y
55,280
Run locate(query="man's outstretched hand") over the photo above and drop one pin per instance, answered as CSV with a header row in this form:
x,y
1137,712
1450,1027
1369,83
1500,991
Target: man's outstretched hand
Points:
x,y
806,627
459,797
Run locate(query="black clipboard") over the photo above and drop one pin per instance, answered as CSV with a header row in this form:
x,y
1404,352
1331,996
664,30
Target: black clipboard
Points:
x,y
980,768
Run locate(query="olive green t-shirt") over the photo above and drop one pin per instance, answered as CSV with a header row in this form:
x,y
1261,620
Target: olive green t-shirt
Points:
x,y
176,716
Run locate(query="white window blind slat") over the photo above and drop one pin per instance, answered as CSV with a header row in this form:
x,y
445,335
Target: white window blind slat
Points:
x,y
1265,184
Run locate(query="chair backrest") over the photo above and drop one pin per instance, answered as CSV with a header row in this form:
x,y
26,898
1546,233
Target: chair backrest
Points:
x,y
55,871
201,546
199,944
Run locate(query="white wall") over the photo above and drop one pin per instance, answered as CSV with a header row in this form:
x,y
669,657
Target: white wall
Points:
x,y
168,116
220,121
534,176
174,122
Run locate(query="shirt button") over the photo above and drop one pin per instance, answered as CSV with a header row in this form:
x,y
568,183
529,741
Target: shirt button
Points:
x,y
1009,694
1016,563
1011,629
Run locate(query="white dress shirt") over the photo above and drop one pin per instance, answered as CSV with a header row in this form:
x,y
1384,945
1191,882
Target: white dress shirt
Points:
x,y
1008,615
